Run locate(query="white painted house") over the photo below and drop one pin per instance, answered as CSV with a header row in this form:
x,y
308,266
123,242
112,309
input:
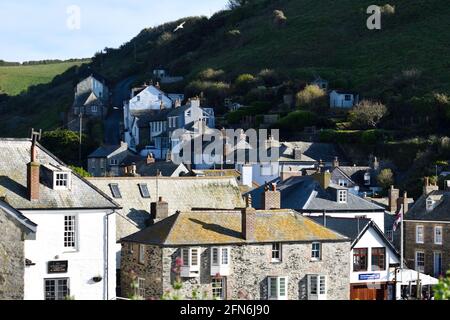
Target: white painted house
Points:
x,y
73,253
151,98
373,258
343,99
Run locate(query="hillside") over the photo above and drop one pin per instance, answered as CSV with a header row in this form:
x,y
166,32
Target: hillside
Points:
x,y
330,39
16,79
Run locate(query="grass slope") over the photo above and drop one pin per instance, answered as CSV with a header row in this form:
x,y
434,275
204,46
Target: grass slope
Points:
x,y
16,79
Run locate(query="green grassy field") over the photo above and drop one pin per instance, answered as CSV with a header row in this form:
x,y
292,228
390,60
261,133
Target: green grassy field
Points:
x,y
16,79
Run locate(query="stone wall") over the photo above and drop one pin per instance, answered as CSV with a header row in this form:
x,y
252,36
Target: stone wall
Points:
x,y
428,247
11,259
151,270
250,268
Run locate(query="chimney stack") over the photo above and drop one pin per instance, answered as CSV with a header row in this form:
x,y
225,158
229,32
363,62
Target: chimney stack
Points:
x,y
248,220
271,198
159,210
33,169
298,154
403,201
428,187
394,195
324,178
336,162
150,159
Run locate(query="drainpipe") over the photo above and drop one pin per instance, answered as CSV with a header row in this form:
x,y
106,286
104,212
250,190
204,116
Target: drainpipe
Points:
x,y
107,255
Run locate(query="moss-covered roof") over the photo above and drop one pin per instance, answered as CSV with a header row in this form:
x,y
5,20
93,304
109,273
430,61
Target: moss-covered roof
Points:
x,y
224,227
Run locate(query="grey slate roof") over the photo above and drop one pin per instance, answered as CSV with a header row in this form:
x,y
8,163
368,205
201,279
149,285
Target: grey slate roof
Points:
x,y
182,194
305,194
13,181
349,227
441,211
104,151
311,151
28,225
165,168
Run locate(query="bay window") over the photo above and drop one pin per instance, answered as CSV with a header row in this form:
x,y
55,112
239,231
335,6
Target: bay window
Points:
x,y
317,287
190,262
220,261
278,288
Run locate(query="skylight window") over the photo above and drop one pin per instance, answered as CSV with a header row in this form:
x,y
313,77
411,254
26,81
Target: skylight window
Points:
x,y
115,190
143,188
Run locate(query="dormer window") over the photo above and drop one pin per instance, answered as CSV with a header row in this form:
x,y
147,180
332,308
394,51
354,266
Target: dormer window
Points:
x,y
61,180
430,204
367,179
342,196
343,183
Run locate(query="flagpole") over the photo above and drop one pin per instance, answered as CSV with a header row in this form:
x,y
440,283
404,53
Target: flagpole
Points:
x,y
401,239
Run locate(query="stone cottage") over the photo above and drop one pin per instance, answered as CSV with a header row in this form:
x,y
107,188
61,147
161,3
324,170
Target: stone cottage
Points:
x,y
14,229
238,254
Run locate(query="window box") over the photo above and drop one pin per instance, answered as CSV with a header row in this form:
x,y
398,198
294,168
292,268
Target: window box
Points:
x,y
190,263
278,288
317,287
220,261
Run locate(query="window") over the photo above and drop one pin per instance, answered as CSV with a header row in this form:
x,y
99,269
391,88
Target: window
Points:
x,y
343,183
56,289
190,262
378,259
70,238
143,188
367,179
218,288
348,97
317,287
342,196
437,262
316,251
360,260
438,235
276,252
138,98
141,287
278,288
419,234
420,261
61,180
220,261
94,109
141,254
430,204
115,190
114,162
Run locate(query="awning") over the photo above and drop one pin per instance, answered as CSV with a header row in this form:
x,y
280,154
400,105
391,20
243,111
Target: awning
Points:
x,y
407,276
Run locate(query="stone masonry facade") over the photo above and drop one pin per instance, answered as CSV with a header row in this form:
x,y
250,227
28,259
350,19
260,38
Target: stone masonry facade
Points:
x,y
250,267
12,260
428,247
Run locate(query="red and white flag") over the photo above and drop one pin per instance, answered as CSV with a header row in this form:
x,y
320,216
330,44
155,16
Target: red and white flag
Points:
x,y
398,218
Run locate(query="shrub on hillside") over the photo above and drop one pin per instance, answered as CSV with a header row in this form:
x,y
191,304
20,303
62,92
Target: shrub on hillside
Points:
x,y
297,120
234,33
367,114
215,92
279,19
387,9
244,83
312,97
269,77
211,75
385,178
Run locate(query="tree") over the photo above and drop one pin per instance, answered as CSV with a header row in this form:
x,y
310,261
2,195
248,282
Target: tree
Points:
x,y
385,178
312,96
442,290
244,83
233,4
367,114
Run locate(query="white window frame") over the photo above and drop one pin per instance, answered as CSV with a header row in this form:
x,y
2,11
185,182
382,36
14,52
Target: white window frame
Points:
x,y
343,183
221,289
114,162
420,268
94,109
342,196
314,251
438,237
61,180
430,204
141,257
56,286
279,293
220,261
190,268
277,252
70,232
319,283
367,179
420,234
140,287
